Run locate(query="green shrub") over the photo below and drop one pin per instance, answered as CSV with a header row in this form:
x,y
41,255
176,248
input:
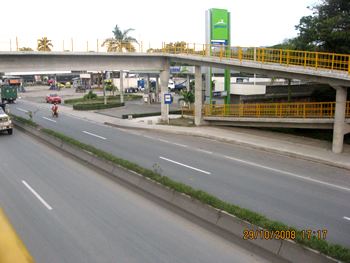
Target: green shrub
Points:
x,y
100,98
98,106
90,96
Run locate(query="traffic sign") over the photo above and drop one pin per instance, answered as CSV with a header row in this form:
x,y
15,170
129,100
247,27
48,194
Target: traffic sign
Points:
x,y
167,98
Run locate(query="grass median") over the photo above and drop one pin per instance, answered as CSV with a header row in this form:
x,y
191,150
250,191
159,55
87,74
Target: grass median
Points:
x,y
332,250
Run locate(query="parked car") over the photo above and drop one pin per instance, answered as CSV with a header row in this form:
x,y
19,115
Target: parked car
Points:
x,y
67,85
53,97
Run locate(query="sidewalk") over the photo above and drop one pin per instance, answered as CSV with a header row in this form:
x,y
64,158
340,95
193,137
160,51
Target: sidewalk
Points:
x,y
299,147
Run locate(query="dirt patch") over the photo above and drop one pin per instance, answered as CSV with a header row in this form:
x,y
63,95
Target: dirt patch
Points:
x,y
182,121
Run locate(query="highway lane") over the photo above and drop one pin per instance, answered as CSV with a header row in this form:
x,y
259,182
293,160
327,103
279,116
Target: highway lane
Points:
x,y
66,212
299,193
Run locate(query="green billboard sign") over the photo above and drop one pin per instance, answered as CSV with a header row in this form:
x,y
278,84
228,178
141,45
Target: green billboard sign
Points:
x,y
220,24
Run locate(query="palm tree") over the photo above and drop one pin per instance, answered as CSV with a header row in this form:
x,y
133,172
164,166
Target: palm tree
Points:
x,y
44,44
121,41
188,97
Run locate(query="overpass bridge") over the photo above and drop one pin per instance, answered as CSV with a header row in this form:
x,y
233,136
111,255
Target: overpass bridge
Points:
x,y
333,69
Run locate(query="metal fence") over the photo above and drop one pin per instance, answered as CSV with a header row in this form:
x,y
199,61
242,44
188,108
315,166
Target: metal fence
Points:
x,y
316,60
276,110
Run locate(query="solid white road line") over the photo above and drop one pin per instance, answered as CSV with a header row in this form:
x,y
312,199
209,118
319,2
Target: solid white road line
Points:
x,y
193,168
94,135
204,151
148,136
124,130
295,175
178,144
347,218
49,119
37,195
162,140
22,109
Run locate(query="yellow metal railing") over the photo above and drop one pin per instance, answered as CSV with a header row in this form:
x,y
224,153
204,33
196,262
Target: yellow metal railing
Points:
x,y
277,110
316,60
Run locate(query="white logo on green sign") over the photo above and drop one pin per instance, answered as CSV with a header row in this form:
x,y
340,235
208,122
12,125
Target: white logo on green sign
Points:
x,y
220,24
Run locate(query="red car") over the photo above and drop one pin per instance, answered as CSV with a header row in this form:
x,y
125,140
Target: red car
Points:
x,y
52,98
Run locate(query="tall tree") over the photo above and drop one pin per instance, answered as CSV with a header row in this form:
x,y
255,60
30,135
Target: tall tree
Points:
x,y
121,41
44,44
328,28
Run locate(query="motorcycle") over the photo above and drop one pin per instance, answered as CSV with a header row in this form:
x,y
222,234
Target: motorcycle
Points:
x,y
55,113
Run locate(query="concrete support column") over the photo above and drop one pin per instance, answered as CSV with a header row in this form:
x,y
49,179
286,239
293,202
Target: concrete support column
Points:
x,y
104,88
157,89
339,119
148,89
121,86
198,96
188,82
164,80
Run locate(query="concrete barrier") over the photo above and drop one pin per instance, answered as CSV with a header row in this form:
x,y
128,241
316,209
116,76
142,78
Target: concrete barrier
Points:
x,y
284,250
126,175
195,207
103,164
156,189
55,141
84,155
12,248
237,227
68,148
298,253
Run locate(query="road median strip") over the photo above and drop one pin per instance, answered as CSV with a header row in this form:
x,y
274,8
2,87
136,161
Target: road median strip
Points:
x,y
230,218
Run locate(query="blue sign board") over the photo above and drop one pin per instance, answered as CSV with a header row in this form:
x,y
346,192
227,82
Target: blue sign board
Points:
x,y
219,42
220,93
167,98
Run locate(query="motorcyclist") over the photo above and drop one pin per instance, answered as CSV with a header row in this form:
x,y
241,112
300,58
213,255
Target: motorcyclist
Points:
x,y
54,109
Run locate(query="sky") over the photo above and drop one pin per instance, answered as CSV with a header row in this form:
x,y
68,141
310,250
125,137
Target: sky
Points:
x,y
254,23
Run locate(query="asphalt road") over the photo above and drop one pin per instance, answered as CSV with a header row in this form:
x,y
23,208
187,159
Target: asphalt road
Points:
x,y
302,194
66,212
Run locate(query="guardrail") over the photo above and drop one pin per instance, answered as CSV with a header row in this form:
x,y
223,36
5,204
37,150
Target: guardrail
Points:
x,y
316,60
277,110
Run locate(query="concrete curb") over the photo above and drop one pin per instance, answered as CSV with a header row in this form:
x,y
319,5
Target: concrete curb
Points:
x,y
284,250
240,143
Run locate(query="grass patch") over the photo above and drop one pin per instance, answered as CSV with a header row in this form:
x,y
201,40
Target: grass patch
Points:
x,y
335,251
182,121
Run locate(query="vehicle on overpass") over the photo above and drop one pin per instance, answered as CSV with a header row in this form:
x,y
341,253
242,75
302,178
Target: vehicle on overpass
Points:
x,y
5,120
